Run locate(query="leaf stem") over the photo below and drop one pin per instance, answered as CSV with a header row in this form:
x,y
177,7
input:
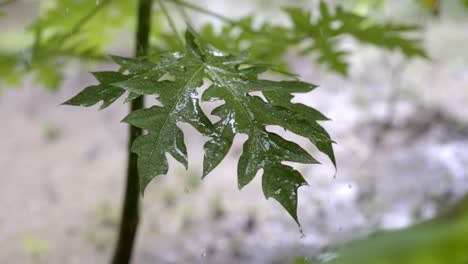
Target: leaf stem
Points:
x,y
171,22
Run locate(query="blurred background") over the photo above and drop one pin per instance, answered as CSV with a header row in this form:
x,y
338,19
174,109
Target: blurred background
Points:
x,y
401,127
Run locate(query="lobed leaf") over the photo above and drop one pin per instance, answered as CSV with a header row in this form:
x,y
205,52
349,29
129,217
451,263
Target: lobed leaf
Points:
x,y
174,80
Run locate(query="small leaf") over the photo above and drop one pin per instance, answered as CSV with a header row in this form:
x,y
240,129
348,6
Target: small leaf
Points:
x,y
104,92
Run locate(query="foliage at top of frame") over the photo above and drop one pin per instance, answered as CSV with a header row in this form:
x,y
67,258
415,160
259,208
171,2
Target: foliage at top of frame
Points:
x,y
85,30
313,35
65,29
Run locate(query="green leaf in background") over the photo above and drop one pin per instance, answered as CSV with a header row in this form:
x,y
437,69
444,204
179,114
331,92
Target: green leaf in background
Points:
x,y
325,30
465,3
319,36
87,24
174,80
67,29
87,29
442,240
268,43
9,74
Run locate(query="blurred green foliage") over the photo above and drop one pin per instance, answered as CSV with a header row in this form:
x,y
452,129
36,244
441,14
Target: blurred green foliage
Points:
x,y
442,240
88,29
35,248
465,3
319,35
64,30
338,23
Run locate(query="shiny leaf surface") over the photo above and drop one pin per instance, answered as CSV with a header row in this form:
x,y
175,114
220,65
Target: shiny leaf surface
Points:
x,y
174,80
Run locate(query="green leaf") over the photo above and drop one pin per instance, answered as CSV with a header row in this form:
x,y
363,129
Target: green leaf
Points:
x,y
104,92
174,80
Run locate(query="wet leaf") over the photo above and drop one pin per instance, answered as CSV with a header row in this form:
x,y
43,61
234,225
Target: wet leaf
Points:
x,y
174,81
104,91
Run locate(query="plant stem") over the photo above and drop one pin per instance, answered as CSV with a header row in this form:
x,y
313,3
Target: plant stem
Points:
x,y
130,212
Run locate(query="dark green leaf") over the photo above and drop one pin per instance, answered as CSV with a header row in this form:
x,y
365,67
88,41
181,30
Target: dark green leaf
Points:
x,y
103,92
174,81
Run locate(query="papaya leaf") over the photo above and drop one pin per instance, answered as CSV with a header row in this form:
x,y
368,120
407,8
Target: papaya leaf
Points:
x,y
174,80
104,92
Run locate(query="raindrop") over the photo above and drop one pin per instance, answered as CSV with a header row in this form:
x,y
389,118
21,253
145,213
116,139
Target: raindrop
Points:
x,y
303,235
203,254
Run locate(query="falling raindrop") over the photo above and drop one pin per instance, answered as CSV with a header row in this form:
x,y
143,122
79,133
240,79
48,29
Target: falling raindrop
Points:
x,y
303,235
203,254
